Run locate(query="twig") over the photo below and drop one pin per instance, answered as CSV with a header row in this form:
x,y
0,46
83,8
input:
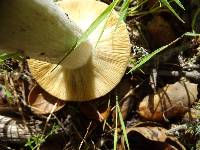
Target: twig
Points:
x,y
194,75
176,129
84,138
49,117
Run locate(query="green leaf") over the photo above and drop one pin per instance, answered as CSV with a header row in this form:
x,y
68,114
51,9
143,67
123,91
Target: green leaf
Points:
x,y
122,15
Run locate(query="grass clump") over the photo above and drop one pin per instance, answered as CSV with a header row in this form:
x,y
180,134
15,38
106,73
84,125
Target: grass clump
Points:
x,y
37,140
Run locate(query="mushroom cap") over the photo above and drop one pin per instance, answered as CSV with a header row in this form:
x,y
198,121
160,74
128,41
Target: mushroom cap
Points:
x,y
105,68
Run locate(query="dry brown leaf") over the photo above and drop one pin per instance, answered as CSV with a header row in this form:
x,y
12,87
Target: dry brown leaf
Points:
x,y
42,103
171,101
145,138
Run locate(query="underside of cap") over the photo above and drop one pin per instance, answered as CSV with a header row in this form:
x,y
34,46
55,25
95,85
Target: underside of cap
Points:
x,y
104,69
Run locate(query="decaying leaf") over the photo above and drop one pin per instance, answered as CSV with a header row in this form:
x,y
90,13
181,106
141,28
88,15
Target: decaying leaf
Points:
x,y
145,138
160,32
42,103
171,101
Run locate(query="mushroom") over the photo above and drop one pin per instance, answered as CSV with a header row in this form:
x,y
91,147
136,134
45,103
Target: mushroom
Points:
x,y
45,33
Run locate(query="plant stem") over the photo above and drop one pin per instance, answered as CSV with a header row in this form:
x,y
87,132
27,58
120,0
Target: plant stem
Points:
x,y
42,31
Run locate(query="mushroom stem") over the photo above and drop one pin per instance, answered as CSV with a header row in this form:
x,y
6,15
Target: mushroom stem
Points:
x,y
42,31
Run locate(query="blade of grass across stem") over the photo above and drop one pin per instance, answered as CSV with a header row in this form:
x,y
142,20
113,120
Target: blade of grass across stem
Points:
x,y
108,16
123,127
166,3
122,14
97,22
123,10
92,27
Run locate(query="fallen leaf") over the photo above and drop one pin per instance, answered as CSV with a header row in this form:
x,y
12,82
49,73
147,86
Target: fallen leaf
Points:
x,y
173,100
145,138
42,103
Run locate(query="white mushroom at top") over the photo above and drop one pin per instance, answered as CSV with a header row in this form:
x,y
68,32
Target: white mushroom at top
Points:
x,y
45,33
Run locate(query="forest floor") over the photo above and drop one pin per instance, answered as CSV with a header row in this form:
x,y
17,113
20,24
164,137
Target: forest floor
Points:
x,y
154,107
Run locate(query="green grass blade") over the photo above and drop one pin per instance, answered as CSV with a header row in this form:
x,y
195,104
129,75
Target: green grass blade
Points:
x,y
115,133
179,4
147,58
122,123
166,3
194,19
96,23
108,16
123,10
133,10
151,55
191,34
122,14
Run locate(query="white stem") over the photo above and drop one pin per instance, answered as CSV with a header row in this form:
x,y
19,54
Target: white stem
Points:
x,y
41,30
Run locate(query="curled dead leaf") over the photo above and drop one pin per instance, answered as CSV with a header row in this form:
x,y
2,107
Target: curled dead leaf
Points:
x,y
171,101
145,138
42,102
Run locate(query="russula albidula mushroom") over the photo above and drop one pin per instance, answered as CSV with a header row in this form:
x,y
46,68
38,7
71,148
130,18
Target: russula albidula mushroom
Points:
x,y
45,31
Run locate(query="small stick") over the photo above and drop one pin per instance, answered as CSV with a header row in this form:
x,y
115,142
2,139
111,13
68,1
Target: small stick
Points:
x,y
176,129
84,138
